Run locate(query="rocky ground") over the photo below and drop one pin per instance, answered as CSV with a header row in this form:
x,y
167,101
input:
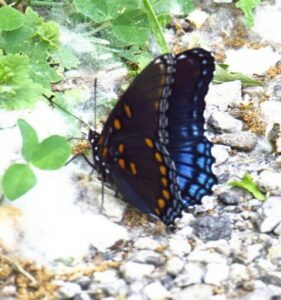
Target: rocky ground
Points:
x,y
227,248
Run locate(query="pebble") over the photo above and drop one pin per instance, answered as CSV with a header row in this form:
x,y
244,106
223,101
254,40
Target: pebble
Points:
x,y
174,265
231,196
224,94
156,291
205,256
274,253
106,276
270,181
195,292
83,296
68,290
211,228
271,214
244,141
148,256
274,89
271,111
135,271
223,122
192,274
147,243
179,246
108,233
239,273
220,153
216,273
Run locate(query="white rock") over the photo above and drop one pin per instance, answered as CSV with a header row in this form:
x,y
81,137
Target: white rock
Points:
x,y
221,246
271,111
268,22
222,121
272,212
277,230
156,291
216,273
68,290
198,17
192,274
147,243
179,246
274,253
270,182
106,276
135,297
253,251
195,292
239,273
134,271
106,233
206,256
224,94
269,223
265,56
174,265
220,153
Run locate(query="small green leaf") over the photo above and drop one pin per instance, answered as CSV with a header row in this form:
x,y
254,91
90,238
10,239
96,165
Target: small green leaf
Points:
x,y
10,18
248,184
66,58
52,153
247,6
132,27
17,180
222,75
29,139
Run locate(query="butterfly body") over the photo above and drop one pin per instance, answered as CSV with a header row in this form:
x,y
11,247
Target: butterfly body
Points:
x,y
152,146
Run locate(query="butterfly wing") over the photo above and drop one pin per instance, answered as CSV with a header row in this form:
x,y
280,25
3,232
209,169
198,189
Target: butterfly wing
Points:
x,y
150,144
189,148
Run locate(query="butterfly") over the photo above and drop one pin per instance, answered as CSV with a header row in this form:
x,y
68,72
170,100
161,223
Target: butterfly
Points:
x,y
152,146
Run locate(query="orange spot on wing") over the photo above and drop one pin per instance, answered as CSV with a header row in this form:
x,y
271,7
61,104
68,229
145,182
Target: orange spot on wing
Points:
x,y
149,142
158,157
101,140
166,194
121,148
133,168
117,124
104,152
156,104
164,181
157,211
163,170
128,111
161,203
122,163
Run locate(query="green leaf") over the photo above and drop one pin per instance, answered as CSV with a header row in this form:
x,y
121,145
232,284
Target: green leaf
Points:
x,y
10,18
17,90
52,153
222,75
17,180
156,27
29,139
176,7
247,7
248,184
66,58
104,10
131,27
49,32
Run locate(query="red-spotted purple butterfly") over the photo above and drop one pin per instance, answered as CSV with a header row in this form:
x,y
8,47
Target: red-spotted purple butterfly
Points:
x,y
152,146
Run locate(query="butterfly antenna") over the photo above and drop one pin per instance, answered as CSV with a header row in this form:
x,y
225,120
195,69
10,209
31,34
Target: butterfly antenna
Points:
x,y
95,103
50,99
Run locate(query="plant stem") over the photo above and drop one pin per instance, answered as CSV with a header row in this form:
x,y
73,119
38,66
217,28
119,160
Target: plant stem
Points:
x,y
156,27
98,29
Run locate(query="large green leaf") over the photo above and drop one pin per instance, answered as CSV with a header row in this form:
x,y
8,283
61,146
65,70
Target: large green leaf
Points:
x,y
10,18
17,180
29,139
104,10
52,153
132,27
